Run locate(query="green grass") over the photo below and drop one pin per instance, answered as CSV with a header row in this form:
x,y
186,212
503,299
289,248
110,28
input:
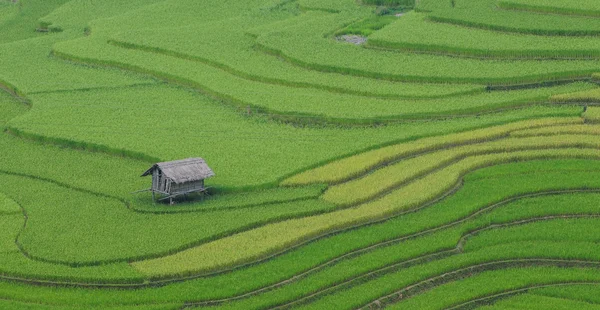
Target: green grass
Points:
x,y
11,225
10,107
586,96
584,8
308,45
484,14
368,26
352,166
47,237
560,230
227,139
22,21
389,178
273,238
26,76
7,11
8,206
554,130
496,281
413,32
465,202
237,56
533,301
389,2
234,200
585,293
74,15
343,173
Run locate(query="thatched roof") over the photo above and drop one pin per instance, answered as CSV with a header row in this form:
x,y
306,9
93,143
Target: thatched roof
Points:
x,y
184,170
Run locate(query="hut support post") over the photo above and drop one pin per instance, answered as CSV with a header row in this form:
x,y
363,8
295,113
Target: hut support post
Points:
x,y
153,196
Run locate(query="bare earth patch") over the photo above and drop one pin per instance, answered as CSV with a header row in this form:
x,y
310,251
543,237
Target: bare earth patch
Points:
x,y
354,39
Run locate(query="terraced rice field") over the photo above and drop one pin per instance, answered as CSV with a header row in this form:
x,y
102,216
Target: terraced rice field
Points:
x,y
451,160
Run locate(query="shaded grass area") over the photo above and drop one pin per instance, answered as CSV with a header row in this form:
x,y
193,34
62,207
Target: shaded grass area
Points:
x,y
10,107
47,238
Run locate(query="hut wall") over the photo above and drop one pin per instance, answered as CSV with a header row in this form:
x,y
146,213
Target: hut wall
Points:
x,y
159,182
187,187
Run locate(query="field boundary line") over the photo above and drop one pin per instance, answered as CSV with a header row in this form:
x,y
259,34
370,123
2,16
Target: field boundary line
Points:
x,y
128,206
296,117
274,81
362,278
461,273
485,299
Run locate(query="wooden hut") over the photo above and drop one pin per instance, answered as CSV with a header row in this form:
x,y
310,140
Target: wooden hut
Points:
x,y
179,177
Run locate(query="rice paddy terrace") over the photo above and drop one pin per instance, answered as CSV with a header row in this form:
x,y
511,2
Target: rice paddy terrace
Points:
x,y
437,154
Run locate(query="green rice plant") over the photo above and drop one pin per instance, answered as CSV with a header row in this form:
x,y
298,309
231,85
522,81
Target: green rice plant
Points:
x,y
11,225
81,228
8,206
534,301
49,305
8,10
523,181
581,129
387,178
585,293
73,15
494,282
353,166
393,3
306,105
432,5
367,26
584,8
236,200
454,292
47,237
587,96
425,245
331,6
413,32
222,131
592,115
16,265
57,75
273,238
49,162
484,14
19,20
308,45
10,107
582,230
536,249
236,55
